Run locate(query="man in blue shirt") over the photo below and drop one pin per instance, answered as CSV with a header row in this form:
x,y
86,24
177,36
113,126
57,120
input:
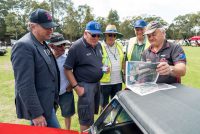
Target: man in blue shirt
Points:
x,y
66,96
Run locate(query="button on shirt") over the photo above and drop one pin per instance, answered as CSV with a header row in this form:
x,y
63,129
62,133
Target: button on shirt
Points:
x,y
85,61
170,53
63,80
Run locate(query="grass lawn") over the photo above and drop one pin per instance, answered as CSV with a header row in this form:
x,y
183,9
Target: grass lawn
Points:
x,y
192,77
7,107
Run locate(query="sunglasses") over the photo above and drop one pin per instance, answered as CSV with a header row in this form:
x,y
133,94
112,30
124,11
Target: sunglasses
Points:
x,y
61,45
94,35
112,35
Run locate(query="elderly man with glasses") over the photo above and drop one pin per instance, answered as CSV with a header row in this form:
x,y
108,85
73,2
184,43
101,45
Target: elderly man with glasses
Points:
x,y
83,68
171,56
36,72
66,96
113,58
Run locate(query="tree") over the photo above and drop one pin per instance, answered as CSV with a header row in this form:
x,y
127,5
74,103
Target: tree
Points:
x,y
2,27
126,28
14,25
183,25
71,25
113,18
84,16
102,21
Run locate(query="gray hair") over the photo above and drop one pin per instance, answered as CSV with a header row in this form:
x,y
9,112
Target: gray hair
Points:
x,y
30,24
162,29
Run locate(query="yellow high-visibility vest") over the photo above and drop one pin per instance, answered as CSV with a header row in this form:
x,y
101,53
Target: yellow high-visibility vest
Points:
x,y
106,76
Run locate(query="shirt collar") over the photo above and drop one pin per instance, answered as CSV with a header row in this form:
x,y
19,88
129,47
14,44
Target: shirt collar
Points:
x,y
85,43
165,46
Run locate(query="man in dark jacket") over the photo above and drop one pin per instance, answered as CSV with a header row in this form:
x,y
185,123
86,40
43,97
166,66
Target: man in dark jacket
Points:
x,y
36,72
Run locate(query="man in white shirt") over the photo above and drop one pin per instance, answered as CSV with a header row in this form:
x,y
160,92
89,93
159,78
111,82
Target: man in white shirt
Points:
x,y
66,97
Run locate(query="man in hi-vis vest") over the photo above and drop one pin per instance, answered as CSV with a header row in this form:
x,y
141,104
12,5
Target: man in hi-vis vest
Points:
x,y
113,57
137,44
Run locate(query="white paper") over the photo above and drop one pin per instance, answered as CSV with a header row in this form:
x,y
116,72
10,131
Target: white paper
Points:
x,y
141,78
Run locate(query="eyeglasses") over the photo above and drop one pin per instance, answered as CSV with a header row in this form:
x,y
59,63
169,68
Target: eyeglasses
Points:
x,y
61,45
112,35
94,35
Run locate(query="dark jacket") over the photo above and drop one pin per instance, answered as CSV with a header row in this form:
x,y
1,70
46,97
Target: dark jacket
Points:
x,y
36,78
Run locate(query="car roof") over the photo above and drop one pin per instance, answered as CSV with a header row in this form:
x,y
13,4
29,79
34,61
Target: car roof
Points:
x,y
170,111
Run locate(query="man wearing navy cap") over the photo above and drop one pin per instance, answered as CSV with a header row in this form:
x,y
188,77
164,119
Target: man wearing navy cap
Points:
x,y
85,59
66,96
36,72
137,44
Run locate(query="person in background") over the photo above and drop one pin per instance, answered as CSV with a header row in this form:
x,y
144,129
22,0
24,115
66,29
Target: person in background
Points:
x,y
113,58
85,59
66,96
171,56
36,72
137,44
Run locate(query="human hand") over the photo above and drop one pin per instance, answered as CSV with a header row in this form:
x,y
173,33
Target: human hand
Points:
x,y
80,90
40,121
163,68
69,88
108,70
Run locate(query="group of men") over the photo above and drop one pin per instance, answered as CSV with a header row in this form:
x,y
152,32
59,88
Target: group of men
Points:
x,y
45,76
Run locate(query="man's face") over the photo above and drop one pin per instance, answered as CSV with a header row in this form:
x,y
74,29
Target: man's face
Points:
x,y
110,38
139,32
42,33
92,39
156,38
59,49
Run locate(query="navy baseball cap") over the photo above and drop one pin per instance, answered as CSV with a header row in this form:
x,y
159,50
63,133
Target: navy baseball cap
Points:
x,y
93,27
58,39
43,18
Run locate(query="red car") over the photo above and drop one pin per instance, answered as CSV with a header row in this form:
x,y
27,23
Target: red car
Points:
x,y
6,128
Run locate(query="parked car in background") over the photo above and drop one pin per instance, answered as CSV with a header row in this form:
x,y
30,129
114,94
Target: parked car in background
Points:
x,y
173,111
2,51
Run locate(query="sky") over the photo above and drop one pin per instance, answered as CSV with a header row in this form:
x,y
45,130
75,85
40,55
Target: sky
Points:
x,y
166,9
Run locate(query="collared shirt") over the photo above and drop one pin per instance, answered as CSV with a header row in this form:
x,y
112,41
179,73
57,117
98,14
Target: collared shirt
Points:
x,y
85,61
63,80
170,53
137,52
114,58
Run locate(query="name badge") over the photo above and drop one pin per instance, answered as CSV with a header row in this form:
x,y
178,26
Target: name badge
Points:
x,y
88,54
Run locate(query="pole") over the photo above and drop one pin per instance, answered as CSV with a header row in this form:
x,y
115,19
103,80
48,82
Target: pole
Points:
x,y
52,9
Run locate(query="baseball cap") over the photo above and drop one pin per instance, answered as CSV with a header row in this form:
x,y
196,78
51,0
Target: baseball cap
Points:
x,y
93,27
152,26
58,39
112,29
43,18
140,24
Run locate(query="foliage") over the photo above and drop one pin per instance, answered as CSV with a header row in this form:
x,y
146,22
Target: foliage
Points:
x,y
14,16
183,24
113,18
126,28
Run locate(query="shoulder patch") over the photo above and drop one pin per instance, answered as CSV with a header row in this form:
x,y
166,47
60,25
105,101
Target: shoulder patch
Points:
x,y
182,56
